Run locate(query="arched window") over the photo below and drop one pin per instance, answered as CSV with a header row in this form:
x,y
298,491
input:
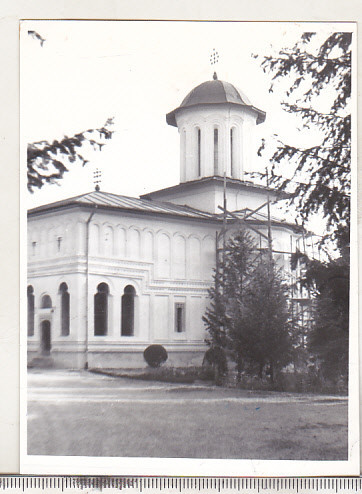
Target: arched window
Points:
x,y
46,302
30,293
64,309
199,152
183,155
216,151
232,151
127,328
101,310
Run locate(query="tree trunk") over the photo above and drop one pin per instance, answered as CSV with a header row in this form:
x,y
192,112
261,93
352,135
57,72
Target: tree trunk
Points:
x,y
272,372
239,369
261,367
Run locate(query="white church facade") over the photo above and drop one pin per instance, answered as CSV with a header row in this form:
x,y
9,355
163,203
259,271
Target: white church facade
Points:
x,y
108,275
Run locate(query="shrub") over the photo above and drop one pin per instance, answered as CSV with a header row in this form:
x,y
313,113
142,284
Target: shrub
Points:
x,y
155,355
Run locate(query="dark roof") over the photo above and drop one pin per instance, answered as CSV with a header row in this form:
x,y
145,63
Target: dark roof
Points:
x,y
215,92
107,200
233,182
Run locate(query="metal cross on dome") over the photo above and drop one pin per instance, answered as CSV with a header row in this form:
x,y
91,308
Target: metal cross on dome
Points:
x,y
214,57
97,178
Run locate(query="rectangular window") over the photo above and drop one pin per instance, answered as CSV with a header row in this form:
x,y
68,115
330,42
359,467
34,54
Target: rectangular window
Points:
x,y
59,243
179,317
33,244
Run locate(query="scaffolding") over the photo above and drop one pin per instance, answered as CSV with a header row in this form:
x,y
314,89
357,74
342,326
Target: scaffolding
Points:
x,y
300,299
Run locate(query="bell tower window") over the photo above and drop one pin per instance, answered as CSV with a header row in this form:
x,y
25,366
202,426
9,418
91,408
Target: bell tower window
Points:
x,y
216,151
199,152
232,152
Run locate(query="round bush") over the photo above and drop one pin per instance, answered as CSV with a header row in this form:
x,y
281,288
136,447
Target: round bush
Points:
x,y
155,355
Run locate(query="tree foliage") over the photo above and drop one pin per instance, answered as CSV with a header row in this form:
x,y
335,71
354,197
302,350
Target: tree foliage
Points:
x,y
317,74
318,80
48,161
248,315
329,336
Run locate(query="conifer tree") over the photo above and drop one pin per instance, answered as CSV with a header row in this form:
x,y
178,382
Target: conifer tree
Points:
x,y
317,75
248,316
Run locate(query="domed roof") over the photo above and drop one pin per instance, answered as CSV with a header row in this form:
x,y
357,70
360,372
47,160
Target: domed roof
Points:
x,y
215,92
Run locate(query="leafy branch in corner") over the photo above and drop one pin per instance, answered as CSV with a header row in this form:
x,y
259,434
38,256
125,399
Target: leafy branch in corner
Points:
x,y
316,72
46,161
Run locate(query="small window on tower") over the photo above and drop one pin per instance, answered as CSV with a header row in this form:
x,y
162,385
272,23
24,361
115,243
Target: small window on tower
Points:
x,y
179,317
216,152
33,245
232,152
199,152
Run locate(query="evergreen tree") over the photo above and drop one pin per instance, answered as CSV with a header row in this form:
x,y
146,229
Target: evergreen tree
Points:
x,y
328,339
260,328
248,316
316,71
317,76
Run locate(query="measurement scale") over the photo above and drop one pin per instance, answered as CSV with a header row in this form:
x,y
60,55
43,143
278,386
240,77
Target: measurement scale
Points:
x,y
187,485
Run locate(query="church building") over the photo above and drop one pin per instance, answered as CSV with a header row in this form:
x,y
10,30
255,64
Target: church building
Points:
x,y
108,275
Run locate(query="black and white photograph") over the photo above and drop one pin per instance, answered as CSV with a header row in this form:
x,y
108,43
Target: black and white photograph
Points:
x,y
189,247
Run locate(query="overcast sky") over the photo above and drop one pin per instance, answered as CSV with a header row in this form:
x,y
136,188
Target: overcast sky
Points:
x,y
136,72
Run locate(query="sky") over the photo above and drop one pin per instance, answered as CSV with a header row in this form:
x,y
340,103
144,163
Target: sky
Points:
x,y
136,72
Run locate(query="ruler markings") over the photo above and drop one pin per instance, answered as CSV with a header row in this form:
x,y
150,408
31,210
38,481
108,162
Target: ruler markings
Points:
x,y
245,485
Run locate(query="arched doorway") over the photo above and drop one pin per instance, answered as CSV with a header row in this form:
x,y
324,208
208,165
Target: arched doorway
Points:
x,y
46,343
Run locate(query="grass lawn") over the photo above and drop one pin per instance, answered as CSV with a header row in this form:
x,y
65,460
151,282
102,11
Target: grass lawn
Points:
x,y
191,423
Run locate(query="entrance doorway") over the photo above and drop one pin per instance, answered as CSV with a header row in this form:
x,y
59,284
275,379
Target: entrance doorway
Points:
x,y
45,338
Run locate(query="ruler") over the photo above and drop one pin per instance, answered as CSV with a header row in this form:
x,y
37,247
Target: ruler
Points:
x,y
188,485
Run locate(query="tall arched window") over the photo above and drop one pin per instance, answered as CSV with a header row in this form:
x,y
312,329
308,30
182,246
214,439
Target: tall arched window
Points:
x,y
30,293
216,151
127,328
232,151
199,152
64,309
46,302
101,310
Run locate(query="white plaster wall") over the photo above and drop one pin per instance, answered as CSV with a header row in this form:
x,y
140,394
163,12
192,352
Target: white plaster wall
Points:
x,y
224,118
125,249
208,197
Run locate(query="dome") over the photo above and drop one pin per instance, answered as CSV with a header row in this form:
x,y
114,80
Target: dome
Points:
x,y
213,93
